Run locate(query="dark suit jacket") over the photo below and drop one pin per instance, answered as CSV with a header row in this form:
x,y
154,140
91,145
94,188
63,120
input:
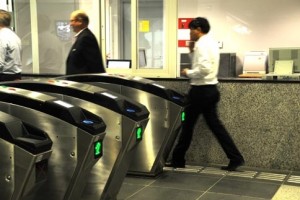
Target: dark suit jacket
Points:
x,y
85,55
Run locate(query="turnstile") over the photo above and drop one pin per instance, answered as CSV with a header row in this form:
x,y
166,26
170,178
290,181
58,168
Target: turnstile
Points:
x,y
24,150
166,108
77,136
126,121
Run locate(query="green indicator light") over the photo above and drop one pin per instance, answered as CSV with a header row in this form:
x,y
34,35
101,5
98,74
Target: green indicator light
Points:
x,y
97,149
183,116
138,133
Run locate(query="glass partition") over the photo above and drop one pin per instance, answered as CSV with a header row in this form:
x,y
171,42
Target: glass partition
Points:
x,y
43,26
150,29
21,10
150,32
138,30
54,35
118,29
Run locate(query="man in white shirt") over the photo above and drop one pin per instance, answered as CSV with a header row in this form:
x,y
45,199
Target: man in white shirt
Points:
x,y
204,97
10,50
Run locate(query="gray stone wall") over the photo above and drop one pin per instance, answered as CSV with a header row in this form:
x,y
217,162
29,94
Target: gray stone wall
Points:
x,y
263,119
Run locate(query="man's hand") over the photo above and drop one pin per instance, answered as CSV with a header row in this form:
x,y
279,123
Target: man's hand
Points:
x,y
191,46
184,71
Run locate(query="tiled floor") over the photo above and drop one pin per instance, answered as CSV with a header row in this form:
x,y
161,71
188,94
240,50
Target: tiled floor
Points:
x,y
209,183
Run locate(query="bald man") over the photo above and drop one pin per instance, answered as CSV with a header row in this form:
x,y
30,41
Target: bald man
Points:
x,y
85,54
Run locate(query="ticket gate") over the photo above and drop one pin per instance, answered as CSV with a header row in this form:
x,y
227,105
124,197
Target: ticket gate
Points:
x,y
24,149
77,137
126,121
166,108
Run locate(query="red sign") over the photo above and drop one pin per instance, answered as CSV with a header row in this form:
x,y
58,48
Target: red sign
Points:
x,y
183,23
183,31
183,43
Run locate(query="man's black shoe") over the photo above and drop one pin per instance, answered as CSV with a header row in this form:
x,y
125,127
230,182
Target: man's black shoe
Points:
x,y
233,165
170,164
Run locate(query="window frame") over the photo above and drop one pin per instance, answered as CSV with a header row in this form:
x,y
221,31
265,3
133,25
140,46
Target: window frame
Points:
x,y
170,63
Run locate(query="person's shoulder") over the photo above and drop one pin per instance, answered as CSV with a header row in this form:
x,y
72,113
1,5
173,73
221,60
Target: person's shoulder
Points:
x,y
87,31
4,31
7,34
208,39
89,34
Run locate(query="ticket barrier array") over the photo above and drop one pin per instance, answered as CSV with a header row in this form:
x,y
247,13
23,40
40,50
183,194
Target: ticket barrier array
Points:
x,y
126,121
24,149
166,108
77,137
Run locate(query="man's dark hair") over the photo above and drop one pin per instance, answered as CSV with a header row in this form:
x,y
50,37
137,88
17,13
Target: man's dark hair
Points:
x,y
5,18
200,22
83,18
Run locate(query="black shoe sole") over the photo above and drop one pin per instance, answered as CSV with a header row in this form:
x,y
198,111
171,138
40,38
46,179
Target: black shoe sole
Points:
x,y
232,167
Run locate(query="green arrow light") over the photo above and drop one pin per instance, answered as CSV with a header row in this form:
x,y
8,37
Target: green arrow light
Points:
x,y
183,116
98,149
139,133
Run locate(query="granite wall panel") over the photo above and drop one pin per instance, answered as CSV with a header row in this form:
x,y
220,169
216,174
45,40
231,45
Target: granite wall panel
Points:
x,y
263,118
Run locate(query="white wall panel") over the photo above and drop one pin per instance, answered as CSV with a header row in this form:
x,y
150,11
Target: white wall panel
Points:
x,y
243,26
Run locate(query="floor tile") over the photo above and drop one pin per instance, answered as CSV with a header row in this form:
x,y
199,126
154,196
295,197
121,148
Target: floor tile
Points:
x,y
139,180
128,190
246,188
219,196
293,180
183,181
287,192
159,193
208,183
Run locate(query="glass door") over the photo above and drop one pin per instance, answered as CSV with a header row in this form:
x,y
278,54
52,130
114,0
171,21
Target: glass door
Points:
x,y
137,30
43,26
